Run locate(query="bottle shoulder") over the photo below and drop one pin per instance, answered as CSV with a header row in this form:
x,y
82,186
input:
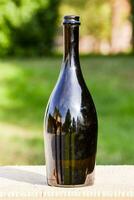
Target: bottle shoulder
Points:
x,y
71,93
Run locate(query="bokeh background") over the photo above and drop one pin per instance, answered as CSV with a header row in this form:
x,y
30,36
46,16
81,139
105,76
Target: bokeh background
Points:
x,y
31,46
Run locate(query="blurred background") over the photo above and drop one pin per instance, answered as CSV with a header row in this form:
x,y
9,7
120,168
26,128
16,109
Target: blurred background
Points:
x,y
31,46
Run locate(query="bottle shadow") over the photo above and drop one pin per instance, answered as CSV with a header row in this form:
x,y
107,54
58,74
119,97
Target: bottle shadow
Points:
x,y
21,175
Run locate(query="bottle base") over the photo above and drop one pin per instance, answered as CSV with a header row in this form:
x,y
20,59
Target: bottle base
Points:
x,y
88,182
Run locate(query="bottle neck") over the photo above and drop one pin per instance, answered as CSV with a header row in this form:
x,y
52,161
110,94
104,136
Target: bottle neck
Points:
x,y
71,42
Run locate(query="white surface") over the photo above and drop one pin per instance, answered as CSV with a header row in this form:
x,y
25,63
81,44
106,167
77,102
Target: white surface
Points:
x,y
30,181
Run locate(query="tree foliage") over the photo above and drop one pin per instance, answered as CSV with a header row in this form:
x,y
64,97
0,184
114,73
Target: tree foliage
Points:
x,y
97,19
27,27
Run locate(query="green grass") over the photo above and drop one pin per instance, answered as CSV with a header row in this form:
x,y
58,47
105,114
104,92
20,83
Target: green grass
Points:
x,y
25,86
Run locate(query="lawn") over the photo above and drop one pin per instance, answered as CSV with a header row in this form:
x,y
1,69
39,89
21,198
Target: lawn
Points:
x,y
25,86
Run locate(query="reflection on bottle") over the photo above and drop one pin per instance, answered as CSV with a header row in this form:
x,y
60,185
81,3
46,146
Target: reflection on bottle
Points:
x,y
73,147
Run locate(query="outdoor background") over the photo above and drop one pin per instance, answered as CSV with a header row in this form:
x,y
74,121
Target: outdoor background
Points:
x,y
30,59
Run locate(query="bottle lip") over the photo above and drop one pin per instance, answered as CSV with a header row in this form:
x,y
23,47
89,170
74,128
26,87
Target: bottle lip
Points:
x,y
71,19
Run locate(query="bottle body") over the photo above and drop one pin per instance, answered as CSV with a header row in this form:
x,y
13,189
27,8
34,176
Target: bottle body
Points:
x,y
70,127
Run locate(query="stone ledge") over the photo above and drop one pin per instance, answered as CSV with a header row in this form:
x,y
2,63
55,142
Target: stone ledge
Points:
x,y
29,182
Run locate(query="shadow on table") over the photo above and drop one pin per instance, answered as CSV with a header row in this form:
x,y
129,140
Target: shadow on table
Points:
x,y
22,175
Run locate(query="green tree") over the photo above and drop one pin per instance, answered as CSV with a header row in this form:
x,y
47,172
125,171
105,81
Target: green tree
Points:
x,y
27,27
67,123
96,17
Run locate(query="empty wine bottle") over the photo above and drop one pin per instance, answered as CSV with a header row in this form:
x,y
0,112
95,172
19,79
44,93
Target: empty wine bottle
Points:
x,y
70,124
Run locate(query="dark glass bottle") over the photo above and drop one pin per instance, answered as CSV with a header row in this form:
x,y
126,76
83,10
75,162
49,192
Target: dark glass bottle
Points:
x,y
70,125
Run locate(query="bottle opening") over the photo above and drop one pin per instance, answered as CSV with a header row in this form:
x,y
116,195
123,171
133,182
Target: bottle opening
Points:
x,y
71,19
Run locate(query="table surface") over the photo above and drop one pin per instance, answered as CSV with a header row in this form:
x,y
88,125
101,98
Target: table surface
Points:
x,y
29,182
